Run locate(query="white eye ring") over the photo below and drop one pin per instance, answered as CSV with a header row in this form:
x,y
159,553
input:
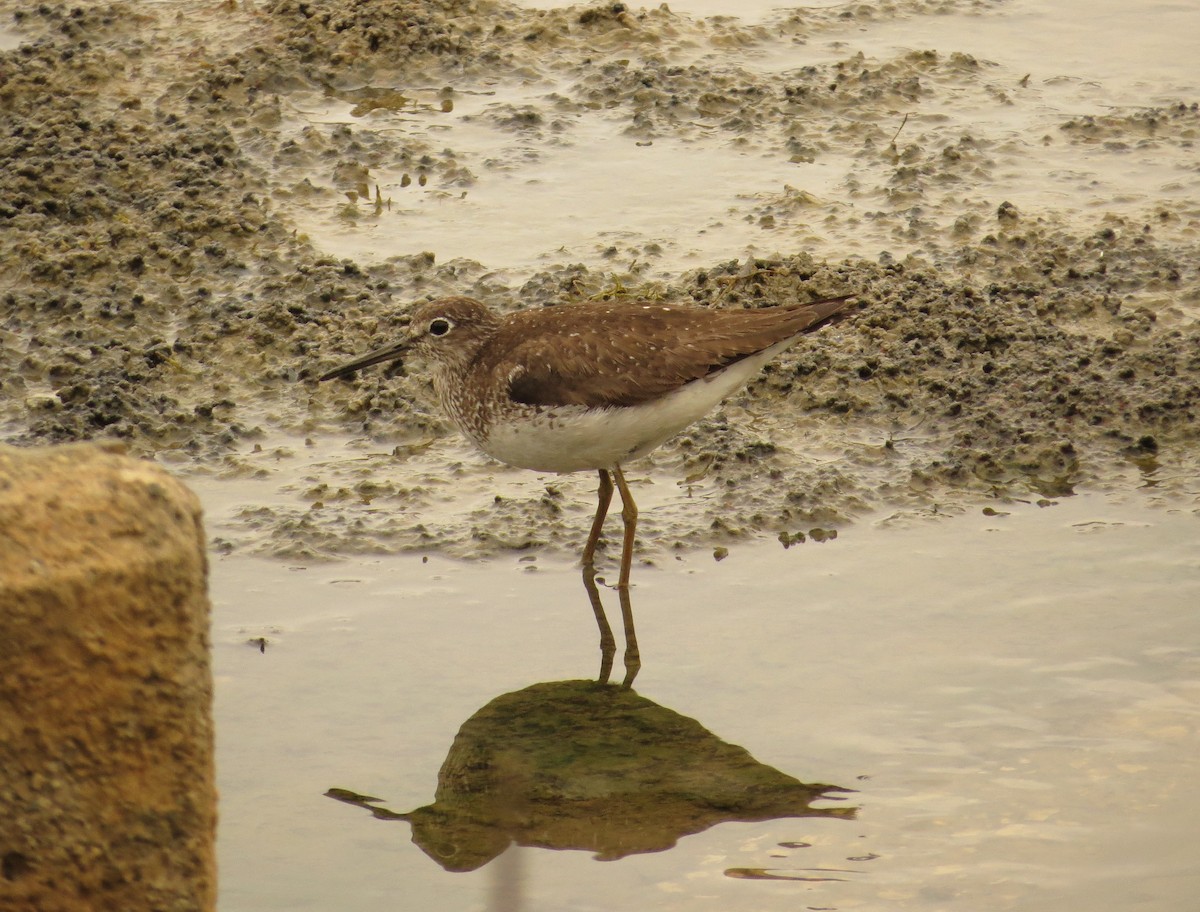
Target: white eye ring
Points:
x,y
439,326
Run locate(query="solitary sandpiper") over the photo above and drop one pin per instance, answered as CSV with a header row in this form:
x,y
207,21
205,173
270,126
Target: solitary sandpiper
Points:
x,y
591,385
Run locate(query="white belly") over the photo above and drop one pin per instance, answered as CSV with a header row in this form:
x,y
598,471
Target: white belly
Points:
x,y
572,438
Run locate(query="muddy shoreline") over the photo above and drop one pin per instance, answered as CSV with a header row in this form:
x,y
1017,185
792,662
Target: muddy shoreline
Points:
x,y
157,288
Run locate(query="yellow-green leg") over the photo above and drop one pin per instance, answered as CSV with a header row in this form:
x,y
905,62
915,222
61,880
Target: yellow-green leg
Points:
x,y
604,498
629,514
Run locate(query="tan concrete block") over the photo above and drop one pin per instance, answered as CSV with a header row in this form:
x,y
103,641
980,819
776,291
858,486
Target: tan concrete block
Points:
x,y
107,797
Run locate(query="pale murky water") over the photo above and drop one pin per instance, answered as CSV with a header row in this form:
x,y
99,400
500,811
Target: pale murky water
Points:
x,y
1016,699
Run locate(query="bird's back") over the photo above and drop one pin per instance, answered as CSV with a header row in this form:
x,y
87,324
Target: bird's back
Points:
x,y
617,355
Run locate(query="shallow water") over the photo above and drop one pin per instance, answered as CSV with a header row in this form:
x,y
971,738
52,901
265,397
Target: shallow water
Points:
x,y
1015,699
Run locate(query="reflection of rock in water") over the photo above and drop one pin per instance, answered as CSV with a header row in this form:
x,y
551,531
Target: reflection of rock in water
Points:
x,y
577,765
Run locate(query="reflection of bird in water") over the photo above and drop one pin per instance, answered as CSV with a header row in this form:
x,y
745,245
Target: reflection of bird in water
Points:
x,y
608,643
592,385
580,765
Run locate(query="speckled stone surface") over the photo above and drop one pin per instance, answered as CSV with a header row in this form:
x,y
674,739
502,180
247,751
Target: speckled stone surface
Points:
x,y
107,798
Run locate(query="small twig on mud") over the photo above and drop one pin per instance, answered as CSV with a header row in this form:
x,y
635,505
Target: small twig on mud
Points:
x,y
899,128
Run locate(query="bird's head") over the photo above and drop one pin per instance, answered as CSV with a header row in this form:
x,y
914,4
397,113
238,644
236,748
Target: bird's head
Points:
x,y
448,331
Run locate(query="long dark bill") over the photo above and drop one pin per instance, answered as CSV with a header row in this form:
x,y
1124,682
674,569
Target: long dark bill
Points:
x,y
387,353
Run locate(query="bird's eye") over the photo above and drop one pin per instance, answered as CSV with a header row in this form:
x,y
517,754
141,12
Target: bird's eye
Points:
x,y
439,327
